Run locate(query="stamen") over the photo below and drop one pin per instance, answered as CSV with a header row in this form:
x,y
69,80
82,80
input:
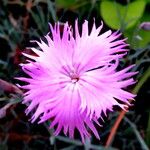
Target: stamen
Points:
x,y
74,80
74,77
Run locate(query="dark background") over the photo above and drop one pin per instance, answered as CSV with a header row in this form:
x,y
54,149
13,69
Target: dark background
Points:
x,y
25,20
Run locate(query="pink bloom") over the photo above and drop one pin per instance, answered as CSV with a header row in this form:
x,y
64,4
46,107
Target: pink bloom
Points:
x,y
74,78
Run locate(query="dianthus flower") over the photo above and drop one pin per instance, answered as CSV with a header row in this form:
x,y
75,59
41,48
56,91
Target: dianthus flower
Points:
x,y
73,78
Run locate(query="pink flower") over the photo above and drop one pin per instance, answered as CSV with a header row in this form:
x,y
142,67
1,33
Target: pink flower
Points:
x,y
74,78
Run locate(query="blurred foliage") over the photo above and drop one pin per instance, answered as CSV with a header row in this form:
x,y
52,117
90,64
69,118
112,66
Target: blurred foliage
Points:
x,y
65,4
25,20
123,16
127,18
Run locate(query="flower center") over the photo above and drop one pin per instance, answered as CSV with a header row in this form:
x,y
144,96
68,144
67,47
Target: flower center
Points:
x,y
74,77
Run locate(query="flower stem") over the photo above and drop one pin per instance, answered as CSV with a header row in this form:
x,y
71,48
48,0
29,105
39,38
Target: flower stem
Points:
x,y
143,79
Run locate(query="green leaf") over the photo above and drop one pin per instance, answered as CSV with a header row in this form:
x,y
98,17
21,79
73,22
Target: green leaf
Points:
x,y
135,31
147,1
65,3
51,10
109,13
118,16
145,35
133,40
